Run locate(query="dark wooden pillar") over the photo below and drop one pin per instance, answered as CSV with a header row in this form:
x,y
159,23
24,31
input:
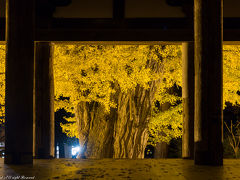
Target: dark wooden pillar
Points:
x,y
208,21
118,10
188,100
19,81
44,101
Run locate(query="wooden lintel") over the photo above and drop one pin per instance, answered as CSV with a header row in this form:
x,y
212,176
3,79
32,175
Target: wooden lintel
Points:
x,y
114,35
231,36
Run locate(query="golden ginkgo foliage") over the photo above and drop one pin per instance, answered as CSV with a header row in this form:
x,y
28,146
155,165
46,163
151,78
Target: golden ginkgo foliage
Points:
x,y
2,83
231,74
90,72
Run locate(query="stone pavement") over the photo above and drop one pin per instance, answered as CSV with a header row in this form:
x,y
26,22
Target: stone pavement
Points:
x,y
162,169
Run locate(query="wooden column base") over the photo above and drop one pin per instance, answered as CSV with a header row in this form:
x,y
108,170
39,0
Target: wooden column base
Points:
x,y
18,158
205,157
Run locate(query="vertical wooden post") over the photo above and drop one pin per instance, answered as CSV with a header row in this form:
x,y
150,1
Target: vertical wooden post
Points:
x,y
188,100
119,11
19,81
208,22
44,102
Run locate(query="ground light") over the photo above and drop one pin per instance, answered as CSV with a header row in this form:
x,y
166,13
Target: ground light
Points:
x,y
57,151
75,151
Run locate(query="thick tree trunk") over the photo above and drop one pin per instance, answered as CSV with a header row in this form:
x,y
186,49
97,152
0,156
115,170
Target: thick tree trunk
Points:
x,y
95,130
130,129
161,150
122,133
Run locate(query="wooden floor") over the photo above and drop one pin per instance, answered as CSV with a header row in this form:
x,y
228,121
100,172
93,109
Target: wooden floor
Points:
x,y
162,169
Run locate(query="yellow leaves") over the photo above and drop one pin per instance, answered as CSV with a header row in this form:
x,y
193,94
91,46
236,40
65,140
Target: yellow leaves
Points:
x,y
2,83
166,125
231,74
64,104
92,73
170,74
70,129
88,73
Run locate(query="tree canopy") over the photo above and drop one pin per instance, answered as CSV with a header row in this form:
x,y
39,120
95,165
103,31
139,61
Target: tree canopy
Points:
x,y
90,72
231,74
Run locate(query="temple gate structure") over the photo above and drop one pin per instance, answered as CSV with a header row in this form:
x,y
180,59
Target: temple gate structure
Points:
x,y
30,27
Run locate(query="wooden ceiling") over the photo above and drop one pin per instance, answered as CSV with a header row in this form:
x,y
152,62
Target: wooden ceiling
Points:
x,y
116,20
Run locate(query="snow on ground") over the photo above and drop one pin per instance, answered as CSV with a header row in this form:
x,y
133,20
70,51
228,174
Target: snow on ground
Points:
x,y
141,169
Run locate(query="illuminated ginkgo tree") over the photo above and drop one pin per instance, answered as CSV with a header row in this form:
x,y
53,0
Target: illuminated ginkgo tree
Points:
x,y
112,91
115,94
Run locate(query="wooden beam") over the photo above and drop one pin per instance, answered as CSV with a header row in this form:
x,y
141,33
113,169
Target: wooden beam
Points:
x,y
231,36
142,29
177,35
113,35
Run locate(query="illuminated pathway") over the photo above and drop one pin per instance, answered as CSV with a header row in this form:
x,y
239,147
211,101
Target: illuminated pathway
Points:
x,y
163,169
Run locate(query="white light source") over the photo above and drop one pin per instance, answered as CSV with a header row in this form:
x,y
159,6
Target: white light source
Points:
x,y
57,151
75,150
